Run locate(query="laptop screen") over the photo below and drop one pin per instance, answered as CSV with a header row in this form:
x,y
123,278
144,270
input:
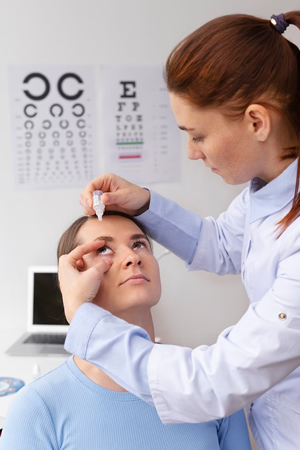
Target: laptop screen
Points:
x,y
47,300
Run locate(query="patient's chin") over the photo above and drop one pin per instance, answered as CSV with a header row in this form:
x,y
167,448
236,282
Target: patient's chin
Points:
x,y
135,302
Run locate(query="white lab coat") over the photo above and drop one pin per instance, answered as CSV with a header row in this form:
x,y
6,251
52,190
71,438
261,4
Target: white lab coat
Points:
x,y
264,347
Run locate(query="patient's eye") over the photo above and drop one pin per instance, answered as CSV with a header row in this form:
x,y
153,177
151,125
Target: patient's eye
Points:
x,y
139,244
104,250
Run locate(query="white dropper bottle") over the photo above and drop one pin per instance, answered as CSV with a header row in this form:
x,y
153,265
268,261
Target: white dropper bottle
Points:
x,y
98,206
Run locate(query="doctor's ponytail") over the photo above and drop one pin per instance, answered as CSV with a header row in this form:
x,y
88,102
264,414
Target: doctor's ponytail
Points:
x,y
237,60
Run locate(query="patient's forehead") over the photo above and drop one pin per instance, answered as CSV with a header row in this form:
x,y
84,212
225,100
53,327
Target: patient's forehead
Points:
x,y
118,227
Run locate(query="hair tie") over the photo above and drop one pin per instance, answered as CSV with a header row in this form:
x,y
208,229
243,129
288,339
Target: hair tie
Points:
x,y
279,23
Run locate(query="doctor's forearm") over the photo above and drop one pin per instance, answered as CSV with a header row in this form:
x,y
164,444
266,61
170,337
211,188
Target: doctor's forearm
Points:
x,y
203,243
172,226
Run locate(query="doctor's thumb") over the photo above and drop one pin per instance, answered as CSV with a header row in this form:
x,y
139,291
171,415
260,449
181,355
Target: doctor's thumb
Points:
x,y
112,198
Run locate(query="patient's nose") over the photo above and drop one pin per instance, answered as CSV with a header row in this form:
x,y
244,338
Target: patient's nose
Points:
x,y
132,258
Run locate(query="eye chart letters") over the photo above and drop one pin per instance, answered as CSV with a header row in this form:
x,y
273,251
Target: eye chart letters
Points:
x,y
53,115
139,135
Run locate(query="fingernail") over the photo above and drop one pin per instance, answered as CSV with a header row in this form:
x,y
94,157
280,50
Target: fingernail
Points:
x,y
107,262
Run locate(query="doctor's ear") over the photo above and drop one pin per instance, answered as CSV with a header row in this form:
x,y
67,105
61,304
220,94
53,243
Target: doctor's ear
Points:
x,y
259,121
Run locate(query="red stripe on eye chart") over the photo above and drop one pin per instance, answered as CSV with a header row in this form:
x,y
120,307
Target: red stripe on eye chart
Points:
x,y
130,156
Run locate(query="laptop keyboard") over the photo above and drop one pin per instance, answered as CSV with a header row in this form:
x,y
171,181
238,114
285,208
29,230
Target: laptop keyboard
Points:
x,y
58,339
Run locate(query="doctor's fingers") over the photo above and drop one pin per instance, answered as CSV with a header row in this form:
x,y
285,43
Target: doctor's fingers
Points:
x,y
107,182
119,194
87,210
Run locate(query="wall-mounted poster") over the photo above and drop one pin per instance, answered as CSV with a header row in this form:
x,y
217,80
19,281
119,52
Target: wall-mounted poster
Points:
x,y
139,135
53,117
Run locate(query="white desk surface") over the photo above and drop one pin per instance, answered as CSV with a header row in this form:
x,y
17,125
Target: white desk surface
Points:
x,y
20,366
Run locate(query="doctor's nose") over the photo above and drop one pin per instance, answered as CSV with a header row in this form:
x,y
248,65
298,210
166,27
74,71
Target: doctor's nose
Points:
x,y
194,153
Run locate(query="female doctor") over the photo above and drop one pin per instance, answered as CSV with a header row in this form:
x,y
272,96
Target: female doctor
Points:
x,y
235,88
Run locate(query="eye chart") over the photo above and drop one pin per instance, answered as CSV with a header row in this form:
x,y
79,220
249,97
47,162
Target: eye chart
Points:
x,y
53,115
139,135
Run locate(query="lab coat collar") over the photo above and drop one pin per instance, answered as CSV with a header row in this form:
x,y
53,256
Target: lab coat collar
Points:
x,y
268,198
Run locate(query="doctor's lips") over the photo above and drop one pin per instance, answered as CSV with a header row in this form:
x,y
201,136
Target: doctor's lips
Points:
x,y
211,168
136,279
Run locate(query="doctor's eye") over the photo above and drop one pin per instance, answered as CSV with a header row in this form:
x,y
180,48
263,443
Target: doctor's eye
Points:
x,y
197,139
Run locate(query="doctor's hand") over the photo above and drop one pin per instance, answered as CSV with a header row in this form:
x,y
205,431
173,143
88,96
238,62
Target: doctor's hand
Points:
x,y
79,286
119,195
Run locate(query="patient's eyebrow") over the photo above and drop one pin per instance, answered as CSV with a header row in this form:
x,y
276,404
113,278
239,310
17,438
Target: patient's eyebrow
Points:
x,y
104,238
111,239
138,236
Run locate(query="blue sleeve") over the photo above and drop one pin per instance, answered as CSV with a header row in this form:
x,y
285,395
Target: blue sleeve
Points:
x,y
114,346
28,424
203,243
233,432
172,226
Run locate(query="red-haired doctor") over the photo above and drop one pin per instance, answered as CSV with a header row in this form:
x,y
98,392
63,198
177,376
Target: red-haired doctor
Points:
x,y
235,89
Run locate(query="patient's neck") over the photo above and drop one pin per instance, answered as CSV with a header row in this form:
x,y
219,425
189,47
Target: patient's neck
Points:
x,y
97,375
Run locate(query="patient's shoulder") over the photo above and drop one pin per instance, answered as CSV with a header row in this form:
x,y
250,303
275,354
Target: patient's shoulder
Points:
x,y
53,383
233,432
29,415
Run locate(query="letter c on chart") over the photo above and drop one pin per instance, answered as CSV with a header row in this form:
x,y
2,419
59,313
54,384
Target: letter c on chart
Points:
x,y
46,124
60,86
80,110
28,125
56,106
81,123
27,113
44,79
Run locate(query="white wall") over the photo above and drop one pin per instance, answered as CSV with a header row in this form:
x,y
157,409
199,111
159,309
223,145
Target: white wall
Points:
x,y
194,307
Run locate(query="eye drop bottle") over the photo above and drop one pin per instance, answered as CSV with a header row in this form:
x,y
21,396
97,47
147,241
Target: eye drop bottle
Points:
x,y
98,206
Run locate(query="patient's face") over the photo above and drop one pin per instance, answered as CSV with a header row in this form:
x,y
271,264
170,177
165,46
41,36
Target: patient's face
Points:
x,y
133,280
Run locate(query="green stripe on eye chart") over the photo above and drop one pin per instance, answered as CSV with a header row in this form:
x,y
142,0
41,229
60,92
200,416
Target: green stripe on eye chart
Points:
x,y
129,143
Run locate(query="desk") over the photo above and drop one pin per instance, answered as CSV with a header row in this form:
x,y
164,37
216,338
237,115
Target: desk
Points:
x,y
21,366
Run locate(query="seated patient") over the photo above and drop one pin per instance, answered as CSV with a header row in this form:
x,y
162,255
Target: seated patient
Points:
x,y
77,406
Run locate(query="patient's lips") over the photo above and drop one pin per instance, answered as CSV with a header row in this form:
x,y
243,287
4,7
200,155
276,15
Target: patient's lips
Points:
x,y
136,279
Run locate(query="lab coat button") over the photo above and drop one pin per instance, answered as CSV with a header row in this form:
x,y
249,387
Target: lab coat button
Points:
x,y
282,316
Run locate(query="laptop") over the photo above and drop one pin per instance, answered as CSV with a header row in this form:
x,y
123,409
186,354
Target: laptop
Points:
x,y
47,326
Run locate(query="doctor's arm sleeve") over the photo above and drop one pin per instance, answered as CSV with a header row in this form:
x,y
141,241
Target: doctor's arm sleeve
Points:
x,y
28,424
116,347
203,243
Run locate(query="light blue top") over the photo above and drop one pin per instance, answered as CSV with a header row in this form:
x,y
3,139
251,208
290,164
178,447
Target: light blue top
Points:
x,y
65,410
256,361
